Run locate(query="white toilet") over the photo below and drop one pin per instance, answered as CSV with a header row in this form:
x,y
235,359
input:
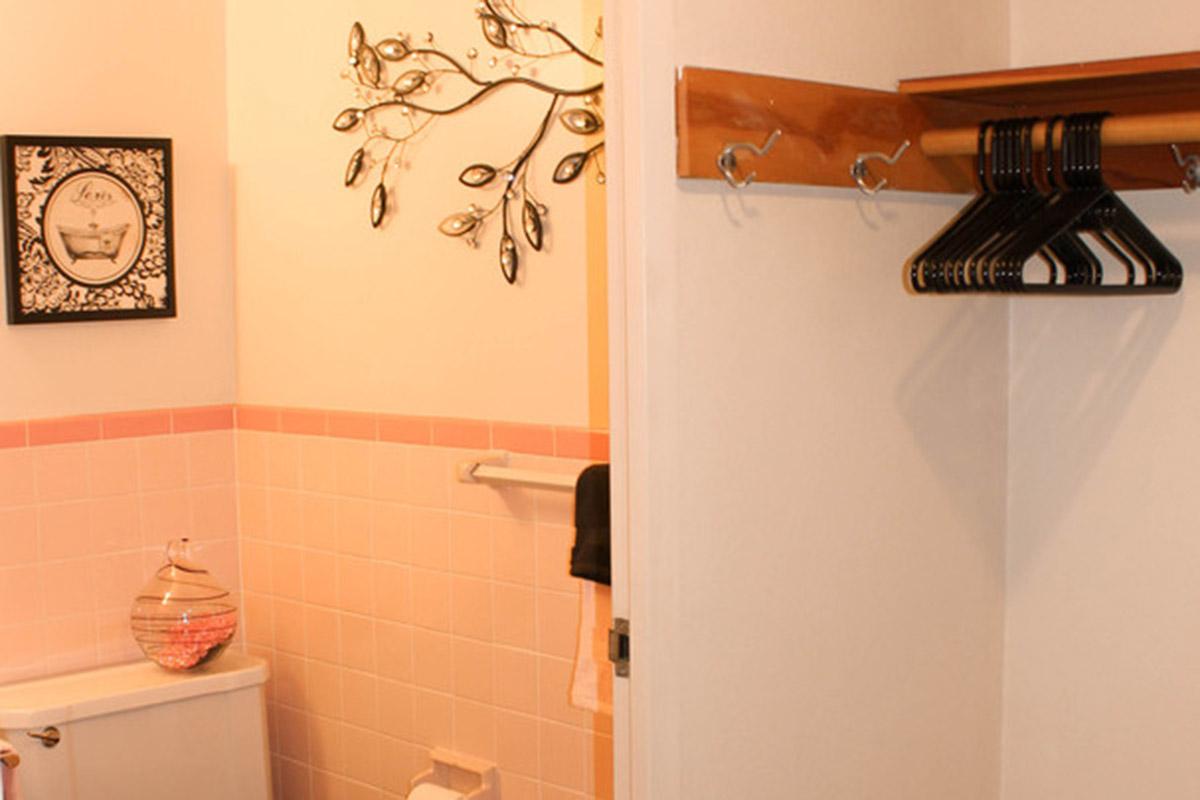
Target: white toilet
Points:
x,y
139,732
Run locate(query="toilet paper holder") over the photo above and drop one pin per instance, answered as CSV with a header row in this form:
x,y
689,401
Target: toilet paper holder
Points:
x,y
474,778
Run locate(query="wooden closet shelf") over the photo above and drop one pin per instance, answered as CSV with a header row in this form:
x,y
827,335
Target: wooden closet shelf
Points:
x,y
825,127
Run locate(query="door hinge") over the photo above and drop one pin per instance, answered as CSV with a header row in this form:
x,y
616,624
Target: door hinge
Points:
x,y
618,647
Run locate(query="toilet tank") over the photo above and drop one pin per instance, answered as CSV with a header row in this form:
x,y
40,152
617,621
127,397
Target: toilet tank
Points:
x,y
139,732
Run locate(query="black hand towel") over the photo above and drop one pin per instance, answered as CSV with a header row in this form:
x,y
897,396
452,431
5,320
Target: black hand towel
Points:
x,y
590,557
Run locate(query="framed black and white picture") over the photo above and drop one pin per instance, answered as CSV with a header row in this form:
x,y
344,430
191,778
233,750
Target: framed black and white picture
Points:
x,y
87,228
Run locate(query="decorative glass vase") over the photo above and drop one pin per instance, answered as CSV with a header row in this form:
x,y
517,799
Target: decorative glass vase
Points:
x,y
182,618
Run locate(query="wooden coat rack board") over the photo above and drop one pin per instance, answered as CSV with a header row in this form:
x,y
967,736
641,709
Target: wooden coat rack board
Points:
x,y
1155,102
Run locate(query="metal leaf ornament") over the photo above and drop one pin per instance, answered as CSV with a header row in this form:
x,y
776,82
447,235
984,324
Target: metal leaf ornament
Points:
x,y
531,222
508,258
581,121
394,79
570,167
477,175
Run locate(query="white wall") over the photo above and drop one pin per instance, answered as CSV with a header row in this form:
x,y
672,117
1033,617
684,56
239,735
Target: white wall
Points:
x,y
1103,639
334,314
144,68
817,459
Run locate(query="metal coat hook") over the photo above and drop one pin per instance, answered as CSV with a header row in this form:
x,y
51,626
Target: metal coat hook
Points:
x,y
859,171
727,160
1191,169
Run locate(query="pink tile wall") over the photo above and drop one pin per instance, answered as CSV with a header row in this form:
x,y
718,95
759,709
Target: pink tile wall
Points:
x,y
84,520
402,610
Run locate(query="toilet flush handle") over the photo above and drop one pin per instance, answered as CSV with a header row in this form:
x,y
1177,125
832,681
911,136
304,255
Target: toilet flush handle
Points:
x,y
49,737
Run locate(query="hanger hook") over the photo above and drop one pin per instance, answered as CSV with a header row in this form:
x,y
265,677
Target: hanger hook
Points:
x,y
727,160
859,171
1191,169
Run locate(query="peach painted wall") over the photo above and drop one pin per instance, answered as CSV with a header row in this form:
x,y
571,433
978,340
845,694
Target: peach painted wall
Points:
x,y
1103,639
128,68
84,524
334,314
403,610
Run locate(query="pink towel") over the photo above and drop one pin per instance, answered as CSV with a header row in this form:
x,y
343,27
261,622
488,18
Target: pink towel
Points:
x,y
591,686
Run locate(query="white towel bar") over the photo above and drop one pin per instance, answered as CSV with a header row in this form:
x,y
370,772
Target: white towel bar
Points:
x,y
492,468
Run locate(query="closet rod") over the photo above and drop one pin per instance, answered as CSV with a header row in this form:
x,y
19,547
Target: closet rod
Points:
x,y
1122,131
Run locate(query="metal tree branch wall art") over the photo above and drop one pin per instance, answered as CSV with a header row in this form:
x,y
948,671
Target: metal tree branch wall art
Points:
x,y
394,80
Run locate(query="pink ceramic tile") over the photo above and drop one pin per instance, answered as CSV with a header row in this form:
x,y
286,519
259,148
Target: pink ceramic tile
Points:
x,y
287,572
257,418
360,699
461,433
292,733
112,467
394,645
349,425
554,692
364,756
515,621
251,449
306,421
475,729
214,511
395,709
70,643
61,473
580,443
405,430
393,590
211,458
513,502
24,645
472,608
355,585
253,514
113,642
165,516
294,780
516,680
358,642
18,536
562,755
17,482
202,418
325,689
320,578
558,623
472,497
554,558
322,631
256,566
131,424
513,558
325,745
329,786
430,539
433,662
389,472
162,462
472,670
289,627
391,533
431,599
67,588
259,623
116,524
535,439
519,787
599,767
285,513
21,591
428,477
555,793
318,465
283,461
433,719
353,520
289,676
320,522
13,434
402,761
62,430
64,530
471,545
517,742
353,459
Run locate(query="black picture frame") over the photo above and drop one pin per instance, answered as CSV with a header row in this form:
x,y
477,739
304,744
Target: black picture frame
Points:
x,y
87,228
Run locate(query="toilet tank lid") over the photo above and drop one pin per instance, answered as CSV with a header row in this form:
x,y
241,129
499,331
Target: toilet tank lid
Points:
x,y
80,695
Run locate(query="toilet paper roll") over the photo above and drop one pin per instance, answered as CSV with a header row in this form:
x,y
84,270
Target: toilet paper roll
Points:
x,y
427,791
